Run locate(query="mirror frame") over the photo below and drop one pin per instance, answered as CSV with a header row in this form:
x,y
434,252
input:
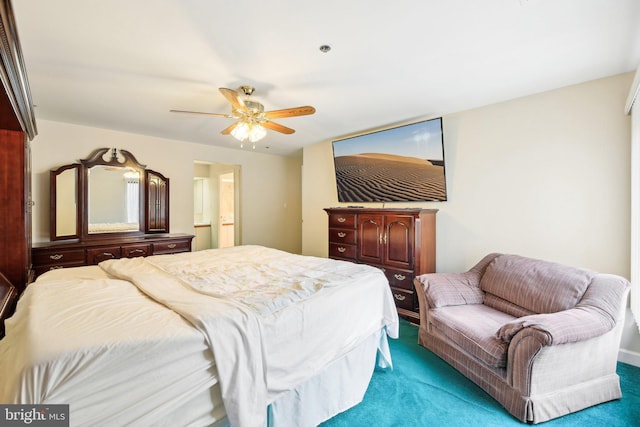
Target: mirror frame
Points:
x,y
128,161
152,220
53,211
157,210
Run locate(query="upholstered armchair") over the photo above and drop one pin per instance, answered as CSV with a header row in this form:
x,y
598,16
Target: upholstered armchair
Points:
x,y
540,337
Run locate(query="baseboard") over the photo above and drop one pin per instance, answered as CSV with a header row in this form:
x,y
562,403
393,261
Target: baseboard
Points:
x,y
630,357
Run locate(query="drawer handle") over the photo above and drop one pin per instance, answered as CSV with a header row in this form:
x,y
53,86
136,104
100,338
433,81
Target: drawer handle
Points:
x,y
341,219
399,297
55,267
399,276
171,245
342,250
341,234
56,257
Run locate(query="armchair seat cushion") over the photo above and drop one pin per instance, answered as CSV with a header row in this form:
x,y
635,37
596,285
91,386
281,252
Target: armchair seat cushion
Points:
x,y
473,328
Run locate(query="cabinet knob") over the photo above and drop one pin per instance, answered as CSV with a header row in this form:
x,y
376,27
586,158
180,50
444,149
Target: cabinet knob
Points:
x,y
399,297
171,245
341,234
342,250
341,219
400,276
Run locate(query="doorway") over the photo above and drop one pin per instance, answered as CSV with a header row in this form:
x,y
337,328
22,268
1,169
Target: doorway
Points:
x,y
216,195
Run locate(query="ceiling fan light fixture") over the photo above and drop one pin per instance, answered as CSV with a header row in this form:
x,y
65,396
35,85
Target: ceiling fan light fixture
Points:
x,y
253,132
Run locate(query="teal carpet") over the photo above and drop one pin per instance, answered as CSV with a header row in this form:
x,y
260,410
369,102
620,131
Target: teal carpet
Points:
x,y
423,390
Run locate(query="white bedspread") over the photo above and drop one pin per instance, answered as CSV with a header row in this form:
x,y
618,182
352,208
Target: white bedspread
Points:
x,y
265,280
83,338
262,348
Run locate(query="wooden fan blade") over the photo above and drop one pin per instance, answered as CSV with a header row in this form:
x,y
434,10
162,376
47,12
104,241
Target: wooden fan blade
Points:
x,y
277,127
229,116
227,130
232,97
290,112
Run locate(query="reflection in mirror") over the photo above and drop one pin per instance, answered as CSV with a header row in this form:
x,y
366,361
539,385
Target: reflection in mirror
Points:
x,y
114,199
66,203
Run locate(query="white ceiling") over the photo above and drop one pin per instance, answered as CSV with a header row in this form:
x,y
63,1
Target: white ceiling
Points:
x,y
123,64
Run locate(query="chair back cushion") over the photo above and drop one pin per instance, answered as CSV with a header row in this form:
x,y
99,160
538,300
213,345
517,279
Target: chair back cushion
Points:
x,y
520,285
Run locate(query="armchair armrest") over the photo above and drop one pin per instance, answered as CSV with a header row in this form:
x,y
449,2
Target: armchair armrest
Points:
x,y
573,325
595,314
443,289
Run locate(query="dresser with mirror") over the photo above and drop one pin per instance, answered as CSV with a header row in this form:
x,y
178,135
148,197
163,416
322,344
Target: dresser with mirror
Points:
x,y
106,206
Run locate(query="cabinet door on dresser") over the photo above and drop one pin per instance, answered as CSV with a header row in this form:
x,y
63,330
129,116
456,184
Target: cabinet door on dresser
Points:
x,y
398,241
370,238
386,240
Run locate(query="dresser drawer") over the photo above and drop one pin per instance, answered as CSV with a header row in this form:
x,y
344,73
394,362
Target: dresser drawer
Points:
x,y
403,298
131,251
399,278
58,257
171,247
338,220
338,250
97,255
339,235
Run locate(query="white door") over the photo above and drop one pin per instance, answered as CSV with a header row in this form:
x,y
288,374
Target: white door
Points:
x,y
226,209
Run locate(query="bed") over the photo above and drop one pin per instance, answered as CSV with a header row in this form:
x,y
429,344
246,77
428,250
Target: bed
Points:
x,y
243,336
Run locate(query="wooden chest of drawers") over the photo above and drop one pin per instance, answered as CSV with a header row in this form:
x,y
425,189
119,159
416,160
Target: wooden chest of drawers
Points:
x,y
52,255
401,242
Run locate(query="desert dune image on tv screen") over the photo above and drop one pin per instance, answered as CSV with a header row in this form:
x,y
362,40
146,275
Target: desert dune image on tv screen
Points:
x,y
397,165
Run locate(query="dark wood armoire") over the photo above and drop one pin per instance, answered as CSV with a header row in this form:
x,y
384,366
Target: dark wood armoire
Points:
x,y
17,128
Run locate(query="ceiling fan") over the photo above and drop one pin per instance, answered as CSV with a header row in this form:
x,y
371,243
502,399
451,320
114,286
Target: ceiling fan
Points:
x,y
252,120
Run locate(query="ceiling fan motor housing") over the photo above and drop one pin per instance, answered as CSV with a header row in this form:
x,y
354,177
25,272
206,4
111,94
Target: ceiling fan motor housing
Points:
x,y
247,90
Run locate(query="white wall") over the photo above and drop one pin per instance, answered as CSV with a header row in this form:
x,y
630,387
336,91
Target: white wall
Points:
x,y
269,204
546,176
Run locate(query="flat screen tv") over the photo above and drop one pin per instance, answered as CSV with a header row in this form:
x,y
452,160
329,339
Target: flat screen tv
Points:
x,y
399,164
